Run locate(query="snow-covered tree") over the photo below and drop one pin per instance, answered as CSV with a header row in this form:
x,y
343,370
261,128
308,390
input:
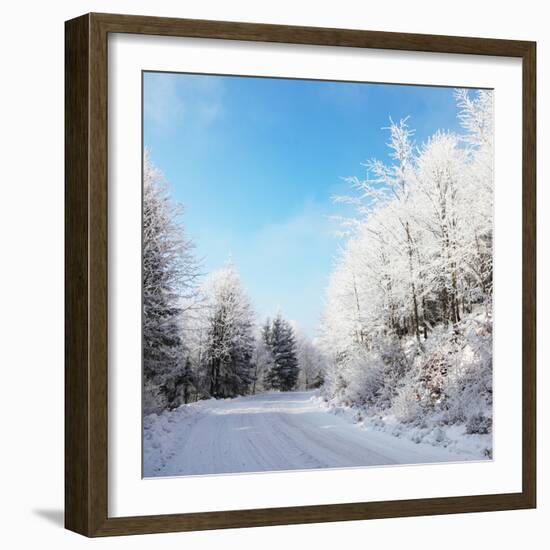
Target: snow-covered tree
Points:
x,y
311,362
416,269
281,340
170,274
262,361
228,346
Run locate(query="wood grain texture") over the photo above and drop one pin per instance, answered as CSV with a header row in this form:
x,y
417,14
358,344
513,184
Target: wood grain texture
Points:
x,y
86,279
77,459
164,26
529,275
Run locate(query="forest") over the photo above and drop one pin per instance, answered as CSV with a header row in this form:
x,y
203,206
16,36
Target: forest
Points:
x,y
406,332
201,337
408,320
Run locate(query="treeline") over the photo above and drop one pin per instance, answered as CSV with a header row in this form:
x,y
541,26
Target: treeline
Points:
x,y
408,316
200,337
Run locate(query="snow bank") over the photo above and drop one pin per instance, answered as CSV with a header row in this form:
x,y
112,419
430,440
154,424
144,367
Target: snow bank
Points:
x,y
439,394
451,437
159,439
163,433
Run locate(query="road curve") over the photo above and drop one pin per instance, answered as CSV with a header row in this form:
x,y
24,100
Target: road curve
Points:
x,y
282,431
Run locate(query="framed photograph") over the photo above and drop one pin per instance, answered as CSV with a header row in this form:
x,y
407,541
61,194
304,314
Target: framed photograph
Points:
x,y
300,275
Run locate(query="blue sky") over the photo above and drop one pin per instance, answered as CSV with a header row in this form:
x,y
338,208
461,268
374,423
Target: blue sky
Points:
x,y
256,162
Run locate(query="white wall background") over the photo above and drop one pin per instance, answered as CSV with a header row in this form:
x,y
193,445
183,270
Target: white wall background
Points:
x,y
31,272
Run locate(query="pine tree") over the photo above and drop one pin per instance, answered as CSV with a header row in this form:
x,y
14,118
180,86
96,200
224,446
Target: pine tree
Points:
x,y
169,276
281,340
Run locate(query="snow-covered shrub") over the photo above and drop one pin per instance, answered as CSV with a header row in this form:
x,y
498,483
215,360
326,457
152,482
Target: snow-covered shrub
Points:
x,y
479,424
365,378
450,382
396,365
469,385
406,405
336,378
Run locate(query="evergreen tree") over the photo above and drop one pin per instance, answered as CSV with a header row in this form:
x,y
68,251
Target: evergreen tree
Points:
x,y
169,275
281,340
178,386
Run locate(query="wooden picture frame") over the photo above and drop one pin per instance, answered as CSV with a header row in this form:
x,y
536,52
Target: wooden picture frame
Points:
x,y
86,279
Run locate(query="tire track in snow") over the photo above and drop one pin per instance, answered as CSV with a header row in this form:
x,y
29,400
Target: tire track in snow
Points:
x,y
281,431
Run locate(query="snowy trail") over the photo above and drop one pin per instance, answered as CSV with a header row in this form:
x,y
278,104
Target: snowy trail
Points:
x,y
276,431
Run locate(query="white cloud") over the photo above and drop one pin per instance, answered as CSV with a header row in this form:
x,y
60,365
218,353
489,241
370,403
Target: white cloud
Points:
x,y
310,227
174,99
286,265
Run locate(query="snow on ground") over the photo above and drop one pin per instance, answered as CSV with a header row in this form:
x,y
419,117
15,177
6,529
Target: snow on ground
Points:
x,y
269,432
453,437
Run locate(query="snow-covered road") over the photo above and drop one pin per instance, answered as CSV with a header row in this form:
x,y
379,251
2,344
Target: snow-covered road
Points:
x,y
267,432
